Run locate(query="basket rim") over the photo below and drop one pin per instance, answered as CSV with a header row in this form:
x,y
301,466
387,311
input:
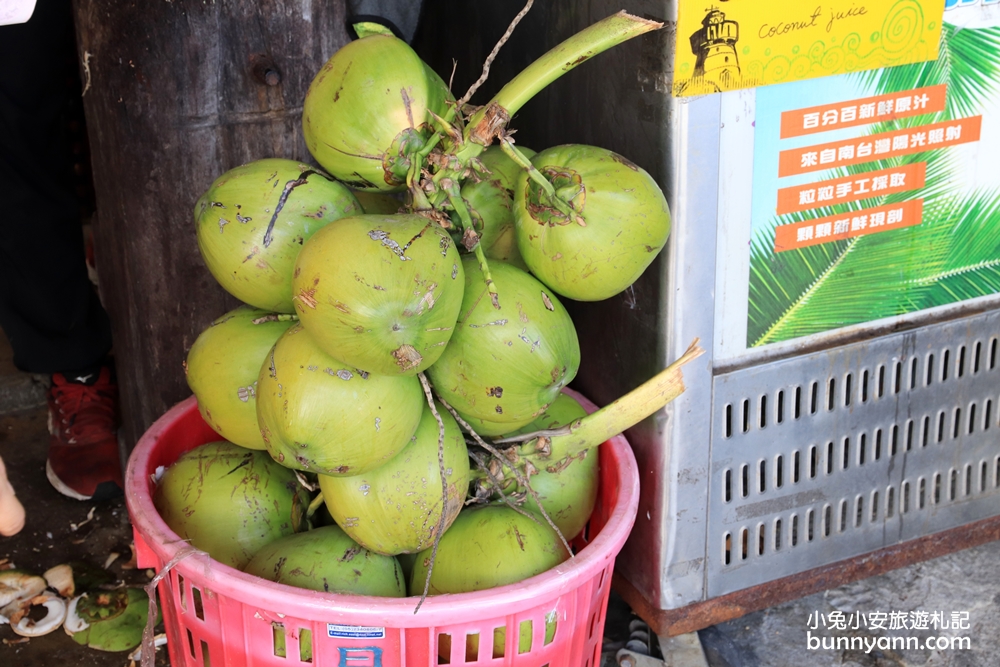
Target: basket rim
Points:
x,y
436,610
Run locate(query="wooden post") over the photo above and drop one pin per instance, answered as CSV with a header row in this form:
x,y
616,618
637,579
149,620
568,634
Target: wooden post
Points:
x,y
175,94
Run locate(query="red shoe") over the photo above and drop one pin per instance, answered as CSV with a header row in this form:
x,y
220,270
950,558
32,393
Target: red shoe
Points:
x,y
83,450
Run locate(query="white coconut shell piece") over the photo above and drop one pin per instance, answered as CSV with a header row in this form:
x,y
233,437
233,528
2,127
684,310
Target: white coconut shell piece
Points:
x,y
16,586
60,578
55,615
74,622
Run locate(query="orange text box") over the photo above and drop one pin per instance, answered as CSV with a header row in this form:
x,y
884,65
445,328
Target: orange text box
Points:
x,y
848,225
852,188
879,146
863,111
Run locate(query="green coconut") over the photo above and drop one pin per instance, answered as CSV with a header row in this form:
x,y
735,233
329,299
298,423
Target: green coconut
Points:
x,y
486,547
230,501
368,109
380,292
502,368
222,368
118,631
318,414
616,223
567,487
327,559
252,222
491,203
396,508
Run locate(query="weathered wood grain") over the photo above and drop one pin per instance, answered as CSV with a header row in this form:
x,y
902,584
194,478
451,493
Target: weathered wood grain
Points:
x,y
172,101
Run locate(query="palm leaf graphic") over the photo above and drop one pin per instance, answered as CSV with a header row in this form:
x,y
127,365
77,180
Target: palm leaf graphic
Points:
x,y
954,254
782,283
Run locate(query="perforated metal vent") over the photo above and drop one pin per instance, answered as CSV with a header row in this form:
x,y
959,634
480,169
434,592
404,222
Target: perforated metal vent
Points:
x,y
842,452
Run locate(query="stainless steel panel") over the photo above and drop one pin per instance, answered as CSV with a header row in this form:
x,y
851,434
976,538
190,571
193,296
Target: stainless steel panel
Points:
x,y
844,451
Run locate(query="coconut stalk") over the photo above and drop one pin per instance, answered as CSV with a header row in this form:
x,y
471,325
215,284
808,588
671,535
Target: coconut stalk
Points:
x,y
555,449
487,123
541,447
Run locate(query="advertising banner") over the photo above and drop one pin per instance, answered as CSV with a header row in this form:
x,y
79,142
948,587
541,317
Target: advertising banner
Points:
x,y
877,193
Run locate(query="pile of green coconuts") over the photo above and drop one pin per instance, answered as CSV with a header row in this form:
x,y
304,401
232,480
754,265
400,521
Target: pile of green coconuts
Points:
x,y
389,397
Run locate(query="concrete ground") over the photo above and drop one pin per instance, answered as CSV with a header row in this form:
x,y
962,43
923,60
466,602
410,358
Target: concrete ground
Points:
x,y
963,587
58,530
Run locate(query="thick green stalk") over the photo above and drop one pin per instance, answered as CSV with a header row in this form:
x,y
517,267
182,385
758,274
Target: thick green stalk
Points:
x,y
579,48
618,416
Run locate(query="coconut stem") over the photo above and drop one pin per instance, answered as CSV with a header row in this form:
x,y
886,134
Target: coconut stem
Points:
x,y
455,198
444,488
524,163
582,46
314,505
623,413
521,477
497,486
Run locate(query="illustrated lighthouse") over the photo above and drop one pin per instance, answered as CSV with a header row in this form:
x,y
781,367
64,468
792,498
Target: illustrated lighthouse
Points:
x,y
714,47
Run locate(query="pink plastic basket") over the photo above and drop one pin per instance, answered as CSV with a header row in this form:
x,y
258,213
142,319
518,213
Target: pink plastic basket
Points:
x,y
216,615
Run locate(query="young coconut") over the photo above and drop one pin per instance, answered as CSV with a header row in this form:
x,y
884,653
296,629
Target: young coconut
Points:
x,y
567,487
609,224
253,220
229,501
327,559
380,292
490,201
502,368
318,414
486,547
222,368
396,508
366,112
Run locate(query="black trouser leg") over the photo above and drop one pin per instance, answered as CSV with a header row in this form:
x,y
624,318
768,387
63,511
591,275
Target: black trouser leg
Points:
x,y
48,308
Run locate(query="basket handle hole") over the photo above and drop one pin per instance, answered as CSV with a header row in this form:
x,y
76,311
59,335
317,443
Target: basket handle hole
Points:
x,y
444,648
305,645
278,639
499,642
180,592
199,609
550,628
524,636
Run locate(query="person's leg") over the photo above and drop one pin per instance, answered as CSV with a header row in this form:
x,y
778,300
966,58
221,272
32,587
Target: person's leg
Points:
x,y
49,310
11,509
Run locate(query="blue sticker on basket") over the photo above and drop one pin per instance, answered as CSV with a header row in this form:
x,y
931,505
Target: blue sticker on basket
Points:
x,y
354,631
367,656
